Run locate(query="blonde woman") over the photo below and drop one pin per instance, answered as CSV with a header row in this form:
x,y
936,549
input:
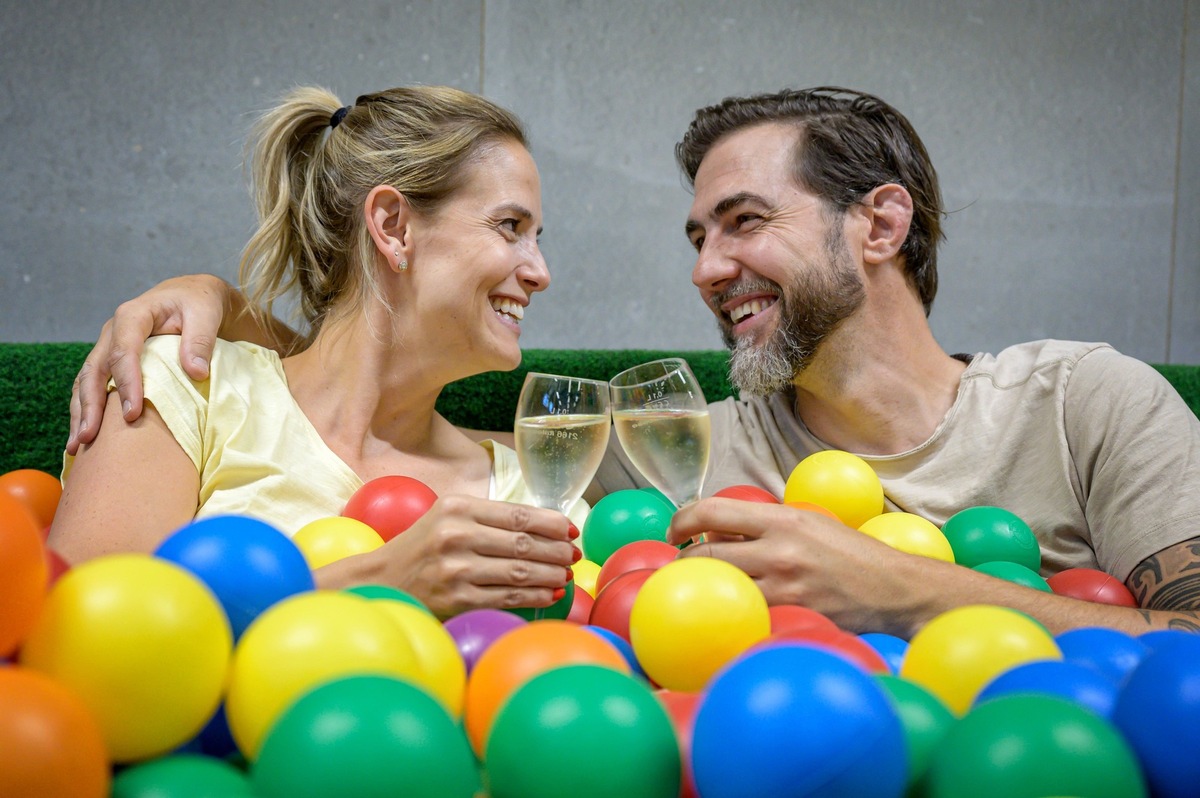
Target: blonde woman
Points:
x,y
407,227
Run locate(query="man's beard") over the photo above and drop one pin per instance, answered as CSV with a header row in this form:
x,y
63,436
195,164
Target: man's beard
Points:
x,y
810,307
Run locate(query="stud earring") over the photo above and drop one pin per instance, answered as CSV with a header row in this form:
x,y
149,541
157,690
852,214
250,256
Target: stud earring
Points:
x,y
402,265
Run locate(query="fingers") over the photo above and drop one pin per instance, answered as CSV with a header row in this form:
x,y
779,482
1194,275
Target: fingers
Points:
x,y
89,393
200,324
718,518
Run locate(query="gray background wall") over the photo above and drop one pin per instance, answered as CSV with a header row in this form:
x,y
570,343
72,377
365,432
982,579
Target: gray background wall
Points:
x,y
1066,134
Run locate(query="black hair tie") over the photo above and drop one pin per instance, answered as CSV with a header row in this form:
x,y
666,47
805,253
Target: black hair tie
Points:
x,y
336,118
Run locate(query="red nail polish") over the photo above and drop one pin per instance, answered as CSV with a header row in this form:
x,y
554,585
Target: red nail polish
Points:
x,y
558,594
573,531
576,555
570,574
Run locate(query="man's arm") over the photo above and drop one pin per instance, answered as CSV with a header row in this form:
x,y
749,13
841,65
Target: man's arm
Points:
x,y
200,308
1169,582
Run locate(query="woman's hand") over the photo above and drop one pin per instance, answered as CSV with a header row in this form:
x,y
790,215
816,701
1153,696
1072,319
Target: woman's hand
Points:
x,y
467,553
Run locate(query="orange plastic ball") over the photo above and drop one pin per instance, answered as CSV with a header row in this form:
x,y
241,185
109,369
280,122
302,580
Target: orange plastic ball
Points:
x,y
37,490
522,653
50,745
24,572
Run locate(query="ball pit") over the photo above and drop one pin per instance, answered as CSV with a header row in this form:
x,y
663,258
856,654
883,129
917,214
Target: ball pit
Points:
x,y
989,534
925,720
909,533
841,482
390,504
621,517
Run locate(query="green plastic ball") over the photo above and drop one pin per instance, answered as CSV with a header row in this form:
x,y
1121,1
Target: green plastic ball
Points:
x,y
988,534
1033,745
585,731
182,776
622,517
924,717
1015,573
366,736
387,592
559,610
653,491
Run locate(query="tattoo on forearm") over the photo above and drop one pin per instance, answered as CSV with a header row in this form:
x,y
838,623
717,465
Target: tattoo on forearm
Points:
x,y
1170,579
1146,576
1183,624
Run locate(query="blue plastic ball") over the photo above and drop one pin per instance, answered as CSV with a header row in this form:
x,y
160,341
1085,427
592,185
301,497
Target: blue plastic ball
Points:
x,y
795,720
248,564
1158,712
1107,651
621,645
890,647
1070,680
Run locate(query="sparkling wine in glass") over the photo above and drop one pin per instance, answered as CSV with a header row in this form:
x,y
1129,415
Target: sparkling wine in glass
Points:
x,y
661,419
562,429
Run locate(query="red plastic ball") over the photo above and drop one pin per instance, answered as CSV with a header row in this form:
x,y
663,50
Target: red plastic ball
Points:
x,y
845,644
1090,584
747,493
681,707
793,616
581,607
615,602
633,556
390,504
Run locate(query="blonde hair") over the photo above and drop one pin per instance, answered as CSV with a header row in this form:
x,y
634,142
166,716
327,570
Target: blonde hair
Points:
x,y
310,179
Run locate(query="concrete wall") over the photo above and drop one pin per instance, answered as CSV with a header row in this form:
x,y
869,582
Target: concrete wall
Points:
x,y
1066,134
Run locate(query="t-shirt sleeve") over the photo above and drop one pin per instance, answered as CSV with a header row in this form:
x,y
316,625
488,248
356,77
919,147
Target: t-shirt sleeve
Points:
x,y
1135,446
182,403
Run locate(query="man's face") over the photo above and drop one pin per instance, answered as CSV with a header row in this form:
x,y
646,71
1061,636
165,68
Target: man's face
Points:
x,y
772,262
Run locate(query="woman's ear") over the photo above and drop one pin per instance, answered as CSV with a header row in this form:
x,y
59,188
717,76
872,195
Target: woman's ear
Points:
x,y
888,209
387,214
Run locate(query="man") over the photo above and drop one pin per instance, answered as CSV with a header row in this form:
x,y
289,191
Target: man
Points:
x,y
816,221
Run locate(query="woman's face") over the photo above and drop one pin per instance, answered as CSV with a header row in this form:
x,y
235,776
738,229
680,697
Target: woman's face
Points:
x,y
476,263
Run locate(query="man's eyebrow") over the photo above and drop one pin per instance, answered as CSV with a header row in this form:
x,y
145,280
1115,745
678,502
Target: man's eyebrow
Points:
x,y
724,206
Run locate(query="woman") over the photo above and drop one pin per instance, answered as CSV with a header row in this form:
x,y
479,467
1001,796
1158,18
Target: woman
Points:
x,y
407,224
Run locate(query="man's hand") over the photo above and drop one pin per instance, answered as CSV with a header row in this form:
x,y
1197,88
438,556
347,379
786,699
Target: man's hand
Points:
x,y
192,306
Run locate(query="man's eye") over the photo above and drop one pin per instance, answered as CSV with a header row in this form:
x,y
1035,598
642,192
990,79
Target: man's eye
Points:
x,y
745,218
697,243
511,224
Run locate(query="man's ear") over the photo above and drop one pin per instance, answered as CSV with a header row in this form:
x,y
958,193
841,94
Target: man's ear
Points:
x,y
388,216
888,209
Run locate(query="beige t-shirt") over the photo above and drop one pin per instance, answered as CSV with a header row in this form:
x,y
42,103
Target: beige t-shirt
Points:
x,y
255,450
1095,450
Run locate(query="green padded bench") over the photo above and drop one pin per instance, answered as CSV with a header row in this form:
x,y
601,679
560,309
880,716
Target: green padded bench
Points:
x,y
35,391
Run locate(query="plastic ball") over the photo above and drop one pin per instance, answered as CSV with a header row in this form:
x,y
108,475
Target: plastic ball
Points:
x,y
795,720
37,490
909,533
747,493
891,648
390,504
365,735
50,744
1158,712
814,508
1161,639
143,642
836,641
182,776
302,641
693,616
1033,745
632,556
390,593
1109,652
621,517
1088,584
958,652
658,494
840,482
581,607
327,540
24,573
475,630
441,671
557,611
793,616
925,720
614,604
517,657
56,566
247,563
1013,572
601,731
987,534
586,572
622,645
1068,680
682,707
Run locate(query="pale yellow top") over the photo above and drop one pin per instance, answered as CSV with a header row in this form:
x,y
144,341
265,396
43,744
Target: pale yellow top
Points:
x,y
255,450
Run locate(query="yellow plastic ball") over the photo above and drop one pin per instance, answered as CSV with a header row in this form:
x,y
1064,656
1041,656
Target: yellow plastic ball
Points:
x,y
959,652
443,673
691,617
586,572
143,642
303,641
910,533
327,540
839,481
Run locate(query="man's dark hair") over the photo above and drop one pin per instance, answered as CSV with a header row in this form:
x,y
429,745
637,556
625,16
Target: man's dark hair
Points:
x,y
849,143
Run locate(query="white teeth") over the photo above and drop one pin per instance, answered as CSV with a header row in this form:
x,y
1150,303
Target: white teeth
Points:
x,y
508,307
750,308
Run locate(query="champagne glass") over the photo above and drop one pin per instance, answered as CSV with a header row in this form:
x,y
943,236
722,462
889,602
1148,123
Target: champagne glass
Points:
x,y
661,419
561,431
